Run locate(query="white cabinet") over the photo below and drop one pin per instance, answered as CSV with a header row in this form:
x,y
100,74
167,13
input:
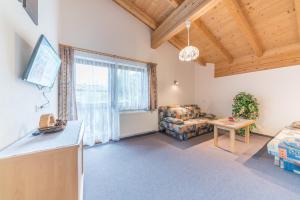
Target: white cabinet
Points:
x,y
48,167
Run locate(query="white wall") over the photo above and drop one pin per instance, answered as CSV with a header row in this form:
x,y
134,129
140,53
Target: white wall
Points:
x,y
277,92
103,26
18,36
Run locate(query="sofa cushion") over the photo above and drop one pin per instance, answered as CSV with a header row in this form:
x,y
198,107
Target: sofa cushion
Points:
x,y
174,120
193,111
190,125
183,112
177,112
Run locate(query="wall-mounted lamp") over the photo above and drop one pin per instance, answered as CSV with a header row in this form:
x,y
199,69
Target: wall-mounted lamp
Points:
x,y
176,83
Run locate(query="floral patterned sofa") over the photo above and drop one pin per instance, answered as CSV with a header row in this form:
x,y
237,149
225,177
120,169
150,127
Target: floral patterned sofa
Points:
x,y
184,121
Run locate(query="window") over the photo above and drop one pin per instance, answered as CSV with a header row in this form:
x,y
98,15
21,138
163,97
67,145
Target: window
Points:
x,y
94,78
133,88
104,87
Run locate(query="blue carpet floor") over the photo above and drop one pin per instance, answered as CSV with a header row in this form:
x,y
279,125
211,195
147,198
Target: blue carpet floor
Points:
x,y
157,167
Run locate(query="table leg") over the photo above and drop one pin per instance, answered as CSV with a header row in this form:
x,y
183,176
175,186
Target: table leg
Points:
x,y
247,135
215,136
232,140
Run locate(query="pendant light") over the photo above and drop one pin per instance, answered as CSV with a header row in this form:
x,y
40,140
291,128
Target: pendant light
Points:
x,y
189,53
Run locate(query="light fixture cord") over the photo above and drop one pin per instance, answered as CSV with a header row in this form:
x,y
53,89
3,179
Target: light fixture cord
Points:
x,y
188,36
188,26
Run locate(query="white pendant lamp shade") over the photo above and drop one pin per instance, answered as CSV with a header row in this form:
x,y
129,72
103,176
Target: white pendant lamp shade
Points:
x,y
189,53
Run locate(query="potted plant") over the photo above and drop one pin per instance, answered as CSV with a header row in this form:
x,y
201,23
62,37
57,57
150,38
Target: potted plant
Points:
x,y
245,106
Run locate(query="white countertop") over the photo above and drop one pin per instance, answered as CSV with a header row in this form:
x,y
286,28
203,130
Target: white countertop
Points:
x,y
69,137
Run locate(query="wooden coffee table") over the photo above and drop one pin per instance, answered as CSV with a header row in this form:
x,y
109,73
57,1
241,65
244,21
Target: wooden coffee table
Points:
x,y
225,124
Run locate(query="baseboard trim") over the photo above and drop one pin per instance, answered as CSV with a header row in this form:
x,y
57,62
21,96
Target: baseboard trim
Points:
x,y
122,138
260,134
153,132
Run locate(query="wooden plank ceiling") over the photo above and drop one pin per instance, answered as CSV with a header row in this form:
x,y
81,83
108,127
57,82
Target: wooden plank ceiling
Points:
x,y
239,36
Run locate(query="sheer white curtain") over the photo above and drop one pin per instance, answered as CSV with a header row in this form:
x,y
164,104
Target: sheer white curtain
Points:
x,y
133,87
104,87
96,89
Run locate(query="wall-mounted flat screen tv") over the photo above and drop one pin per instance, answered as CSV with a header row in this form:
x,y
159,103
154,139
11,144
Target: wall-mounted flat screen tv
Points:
x,y
43,65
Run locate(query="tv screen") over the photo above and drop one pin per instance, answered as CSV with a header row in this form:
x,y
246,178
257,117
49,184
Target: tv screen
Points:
x,y
43,65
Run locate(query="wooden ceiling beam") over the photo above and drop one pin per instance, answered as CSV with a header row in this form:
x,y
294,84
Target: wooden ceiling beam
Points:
x,y
273,58
297,9
212,38
244,25
201,61
137,12
174,3
175,22
176,42
146,19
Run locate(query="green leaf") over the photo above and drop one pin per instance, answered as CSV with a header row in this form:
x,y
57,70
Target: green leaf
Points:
x,y
245,106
